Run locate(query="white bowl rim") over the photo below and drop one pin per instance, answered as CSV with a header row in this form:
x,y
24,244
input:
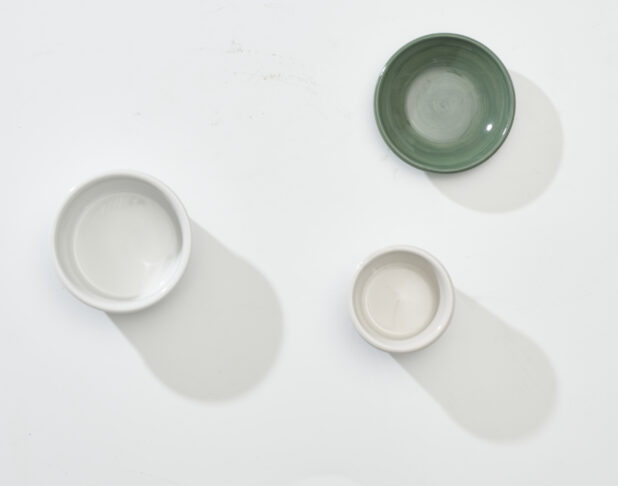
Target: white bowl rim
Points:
x,y
412,343
129,305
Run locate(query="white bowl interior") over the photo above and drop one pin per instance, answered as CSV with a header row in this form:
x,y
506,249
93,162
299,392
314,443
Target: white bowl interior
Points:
x,y
402,299
119,242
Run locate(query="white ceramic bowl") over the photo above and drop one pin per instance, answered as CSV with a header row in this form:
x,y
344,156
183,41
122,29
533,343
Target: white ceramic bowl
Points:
x,y
402,299
121,241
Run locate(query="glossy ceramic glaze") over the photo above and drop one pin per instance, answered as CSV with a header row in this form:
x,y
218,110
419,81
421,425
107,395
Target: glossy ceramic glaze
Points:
x,y
444,103
402,299
122,241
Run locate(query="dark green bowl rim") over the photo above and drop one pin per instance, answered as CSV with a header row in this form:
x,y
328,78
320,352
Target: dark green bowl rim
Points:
x,y
402,155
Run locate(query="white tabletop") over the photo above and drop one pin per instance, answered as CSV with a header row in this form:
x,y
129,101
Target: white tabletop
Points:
x,y
259,116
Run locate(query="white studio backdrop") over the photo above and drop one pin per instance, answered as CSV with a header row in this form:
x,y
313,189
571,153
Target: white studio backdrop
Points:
x,y
259,116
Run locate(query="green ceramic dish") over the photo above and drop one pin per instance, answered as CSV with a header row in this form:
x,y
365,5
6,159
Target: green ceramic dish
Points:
x,y
444,103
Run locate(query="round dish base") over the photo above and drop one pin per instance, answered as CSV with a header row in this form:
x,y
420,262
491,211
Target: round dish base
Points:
x,y
400,299
442,104
125,245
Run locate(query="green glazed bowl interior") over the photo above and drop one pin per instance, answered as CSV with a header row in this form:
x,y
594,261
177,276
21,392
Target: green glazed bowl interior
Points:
x,y
444,103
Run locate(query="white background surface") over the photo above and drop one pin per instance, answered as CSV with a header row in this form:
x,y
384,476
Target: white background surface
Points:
x,y
259,116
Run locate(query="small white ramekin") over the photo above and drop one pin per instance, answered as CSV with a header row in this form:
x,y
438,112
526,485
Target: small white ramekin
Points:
x,y
384,308
121,241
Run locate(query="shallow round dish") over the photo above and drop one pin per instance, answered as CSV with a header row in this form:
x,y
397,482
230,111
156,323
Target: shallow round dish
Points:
x,y
402,299
444,103
121,241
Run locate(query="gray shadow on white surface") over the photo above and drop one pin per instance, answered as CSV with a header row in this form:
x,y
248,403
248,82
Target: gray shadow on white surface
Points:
x,y
217,334
490,378
522,168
